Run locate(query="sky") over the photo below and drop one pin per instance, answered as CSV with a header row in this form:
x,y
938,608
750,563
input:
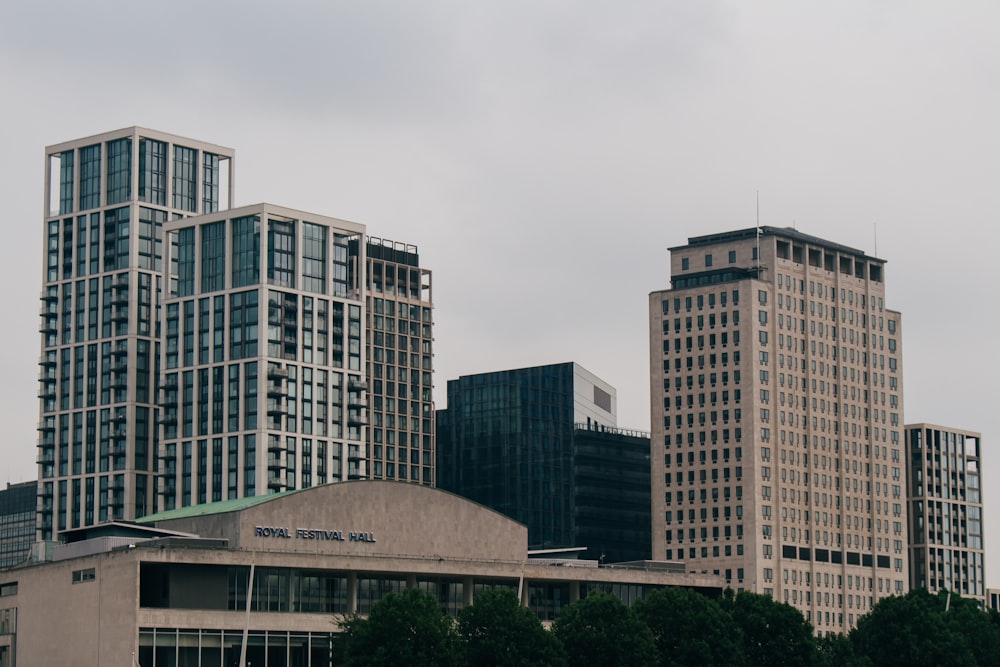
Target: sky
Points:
x,y
544,154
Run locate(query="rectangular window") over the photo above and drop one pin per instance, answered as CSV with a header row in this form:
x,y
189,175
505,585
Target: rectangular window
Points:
x,y
246,250
66,182
185,261
90,177
80,576
213,256
314,258
119,182
281,252
153,172
185,178
210,183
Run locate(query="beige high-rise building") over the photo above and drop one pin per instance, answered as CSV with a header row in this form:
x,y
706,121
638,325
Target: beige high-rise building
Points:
x,y
777,438
945,504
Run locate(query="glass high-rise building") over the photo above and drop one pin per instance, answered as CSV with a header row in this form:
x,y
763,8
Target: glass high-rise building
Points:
x,y
944,493
263,361
107,199
192,352
541,445
777,441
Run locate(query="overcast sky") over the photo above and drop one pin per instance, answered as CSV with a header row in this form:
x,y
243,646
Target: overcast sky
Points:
x,y
544,155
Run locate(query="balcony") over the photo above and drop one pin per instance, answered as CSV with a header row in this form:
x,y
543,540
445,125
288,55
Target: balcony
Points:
x,y
48,297
46,427
119,315
277,373
47,458
355,383
47,362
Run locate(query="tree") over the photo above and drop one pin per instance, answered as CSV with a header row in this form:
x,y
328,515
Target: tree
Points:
x,y
915,630
498,632
690,629
836,650
774,633
408,628
600,630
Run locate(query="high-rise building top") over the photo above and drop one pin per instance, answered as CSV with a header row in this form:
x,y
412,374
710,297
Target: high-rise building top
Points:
x,y
107,198
944,496
776,399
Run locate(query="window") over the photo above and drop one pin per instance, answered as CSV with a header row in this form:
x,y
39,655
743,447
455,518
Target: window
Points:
x,y
685,264
708,260
732,256
81,576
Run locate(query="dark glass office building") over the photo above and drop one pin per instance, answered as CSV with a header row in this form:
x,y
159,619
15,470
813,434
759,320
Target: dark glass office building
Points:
x,y
541,445
17,522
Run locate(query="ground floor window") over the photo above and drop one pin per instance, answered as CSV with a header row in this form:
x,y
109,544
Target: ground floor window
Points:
x,y
173,647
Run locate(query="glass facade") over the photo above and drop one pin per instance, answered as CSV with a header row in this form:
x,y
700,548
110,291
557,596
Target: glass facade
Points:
x,y
260,363
944,499
509,440
100,331
17,523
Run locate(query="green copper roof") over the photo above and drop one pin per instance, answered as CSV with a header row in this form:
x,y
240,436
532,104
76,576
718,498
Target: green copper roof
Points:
x,y
221,507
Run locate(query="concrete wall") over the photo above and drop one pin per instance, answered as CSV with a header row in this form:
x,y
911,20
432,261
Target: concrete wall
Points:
x,y
403,520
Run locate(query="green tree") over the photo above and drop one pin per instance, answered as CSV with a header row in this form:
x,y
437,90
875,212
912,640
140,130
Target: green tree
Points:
x,y
690,629
978,628
836,650
774,633
408,628
498,631
914,629
600,630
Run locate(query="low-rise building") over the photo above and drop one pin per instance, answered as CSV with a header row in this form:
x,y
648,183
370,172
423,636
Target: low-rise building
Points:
x,y
278,573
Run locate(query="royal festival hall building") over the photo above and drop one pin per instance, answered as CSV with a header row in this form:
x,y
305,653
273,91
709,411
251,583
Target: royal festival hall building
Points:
x,y
172,589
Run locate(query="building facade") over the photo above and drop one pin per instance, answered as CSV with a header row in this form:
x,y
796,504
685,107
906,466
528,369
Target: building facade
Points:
x,y
275,575
400,364
944,497
17,522
531,443
263,362
776,400
192,353
107,198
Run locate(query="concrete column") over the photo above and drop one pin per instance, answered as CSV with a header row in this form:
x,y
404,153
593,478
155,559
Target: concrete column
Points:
x,y
411,581
467,586
574,591
352,592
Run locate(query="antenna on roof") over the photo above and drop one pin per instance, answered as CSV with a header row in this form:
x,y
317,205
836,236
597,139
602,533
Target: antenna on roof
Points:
x,y
757,249
875,232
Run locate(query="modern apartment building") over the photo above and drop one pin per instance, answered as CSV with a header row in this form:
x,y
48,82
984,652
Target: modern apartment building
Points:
x,y
944,497
263,362
541,445
193,353
776,401
107,198
400,363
